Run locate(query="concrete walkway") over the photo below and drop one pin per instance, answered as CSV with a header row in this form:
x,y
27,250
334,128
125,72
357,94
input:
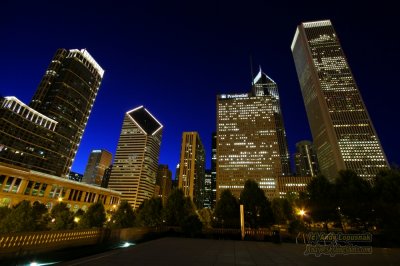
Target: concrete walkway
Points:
x,y
187,251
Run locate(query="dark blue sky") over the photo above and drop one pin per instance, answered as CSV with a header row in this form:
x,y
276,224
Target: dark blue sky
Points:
x,y
174,57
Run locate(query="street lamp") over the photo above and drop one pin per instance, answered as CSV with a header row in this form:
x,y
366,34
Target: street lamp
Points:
x,y
301,212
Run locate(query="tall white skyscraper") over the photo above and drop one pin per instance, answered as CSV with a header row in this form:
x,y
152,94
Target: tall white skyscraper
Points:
x,y
136,160
343,134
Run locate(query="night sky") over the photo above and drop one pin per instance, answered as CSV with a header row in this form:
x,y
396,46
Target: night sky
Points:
x,y
175,57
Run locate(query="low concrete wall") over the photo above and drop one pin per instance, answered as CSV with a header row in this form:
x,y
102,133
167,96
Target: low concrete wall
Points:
x,y
20,244
26,243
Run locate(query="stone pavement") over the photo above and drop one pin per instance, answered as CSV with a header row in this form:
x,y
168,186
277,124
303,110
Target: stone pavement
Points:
x,y
188,251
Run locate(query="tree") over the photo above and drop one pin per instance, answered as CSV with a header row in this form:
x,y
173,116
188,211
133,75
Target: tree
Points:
x,y
191,225
61,217
95,216
4,211
320,200
205,216
150,213
386,206
41,216
177,208
354,197
124,216
257,208
227,211
282,210
19,219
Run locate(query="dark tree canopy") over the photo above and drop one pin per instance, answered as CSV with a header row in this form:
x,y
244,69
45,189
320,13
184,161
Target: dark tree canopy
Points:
x,y
354,196
20,218
282,210
227,211
124,216
177,208
95,216
321,201
150,213
61,217
387,203
257,208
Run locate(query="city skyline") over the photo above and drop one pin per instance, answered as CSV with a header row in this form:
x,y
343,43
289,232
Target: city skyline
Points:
x,y
136,75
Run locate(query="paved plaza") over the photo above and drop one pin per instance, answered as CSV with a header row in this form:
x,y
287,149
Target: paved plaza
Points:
x,y
188,251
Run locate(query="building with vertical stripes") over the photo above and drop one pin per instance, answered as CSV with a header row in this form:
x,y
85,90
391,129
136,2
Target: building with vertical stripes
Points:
x,y
305,159
136,160
343,133
192,168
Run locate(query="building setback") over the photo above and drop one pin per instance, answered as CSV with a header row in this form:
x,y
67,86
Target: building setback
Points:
x,y
192,168
45,135
99,161
251,140
136,159
343,133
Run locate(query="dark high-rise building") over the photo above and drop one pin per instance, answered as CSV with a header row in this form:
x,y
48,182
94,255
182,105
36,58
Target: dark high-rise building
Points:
x,y
99,161
208,200
213,169
251,141
192,167
45,135
305,159
342,131
136,160
106,176
75,176
164,181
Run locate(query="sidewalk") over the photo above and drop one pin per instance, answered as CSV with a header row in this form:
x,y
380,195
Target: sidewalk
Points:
x,y
187,251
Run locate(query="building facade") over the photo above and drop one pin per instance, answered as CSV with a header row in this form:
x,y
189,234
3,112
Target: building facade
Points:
x,y
251,140
213,169
208,200
136,160
164,181
192,168
343,134
99,161
46,135
106,176
305,159
18,184
291,184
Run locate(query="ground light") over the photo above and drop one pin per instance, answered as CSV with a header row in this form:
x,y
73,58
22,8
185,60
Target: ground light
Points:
x,y
34,263
126,244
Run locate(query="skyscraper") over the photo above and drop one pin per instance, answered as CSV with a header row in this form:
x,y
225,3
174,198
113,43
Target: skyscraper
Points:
x,y
213,169
305,159
164,181
106,176
45,135
99,161
136,159
342,131
208,199
251,140
192,168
